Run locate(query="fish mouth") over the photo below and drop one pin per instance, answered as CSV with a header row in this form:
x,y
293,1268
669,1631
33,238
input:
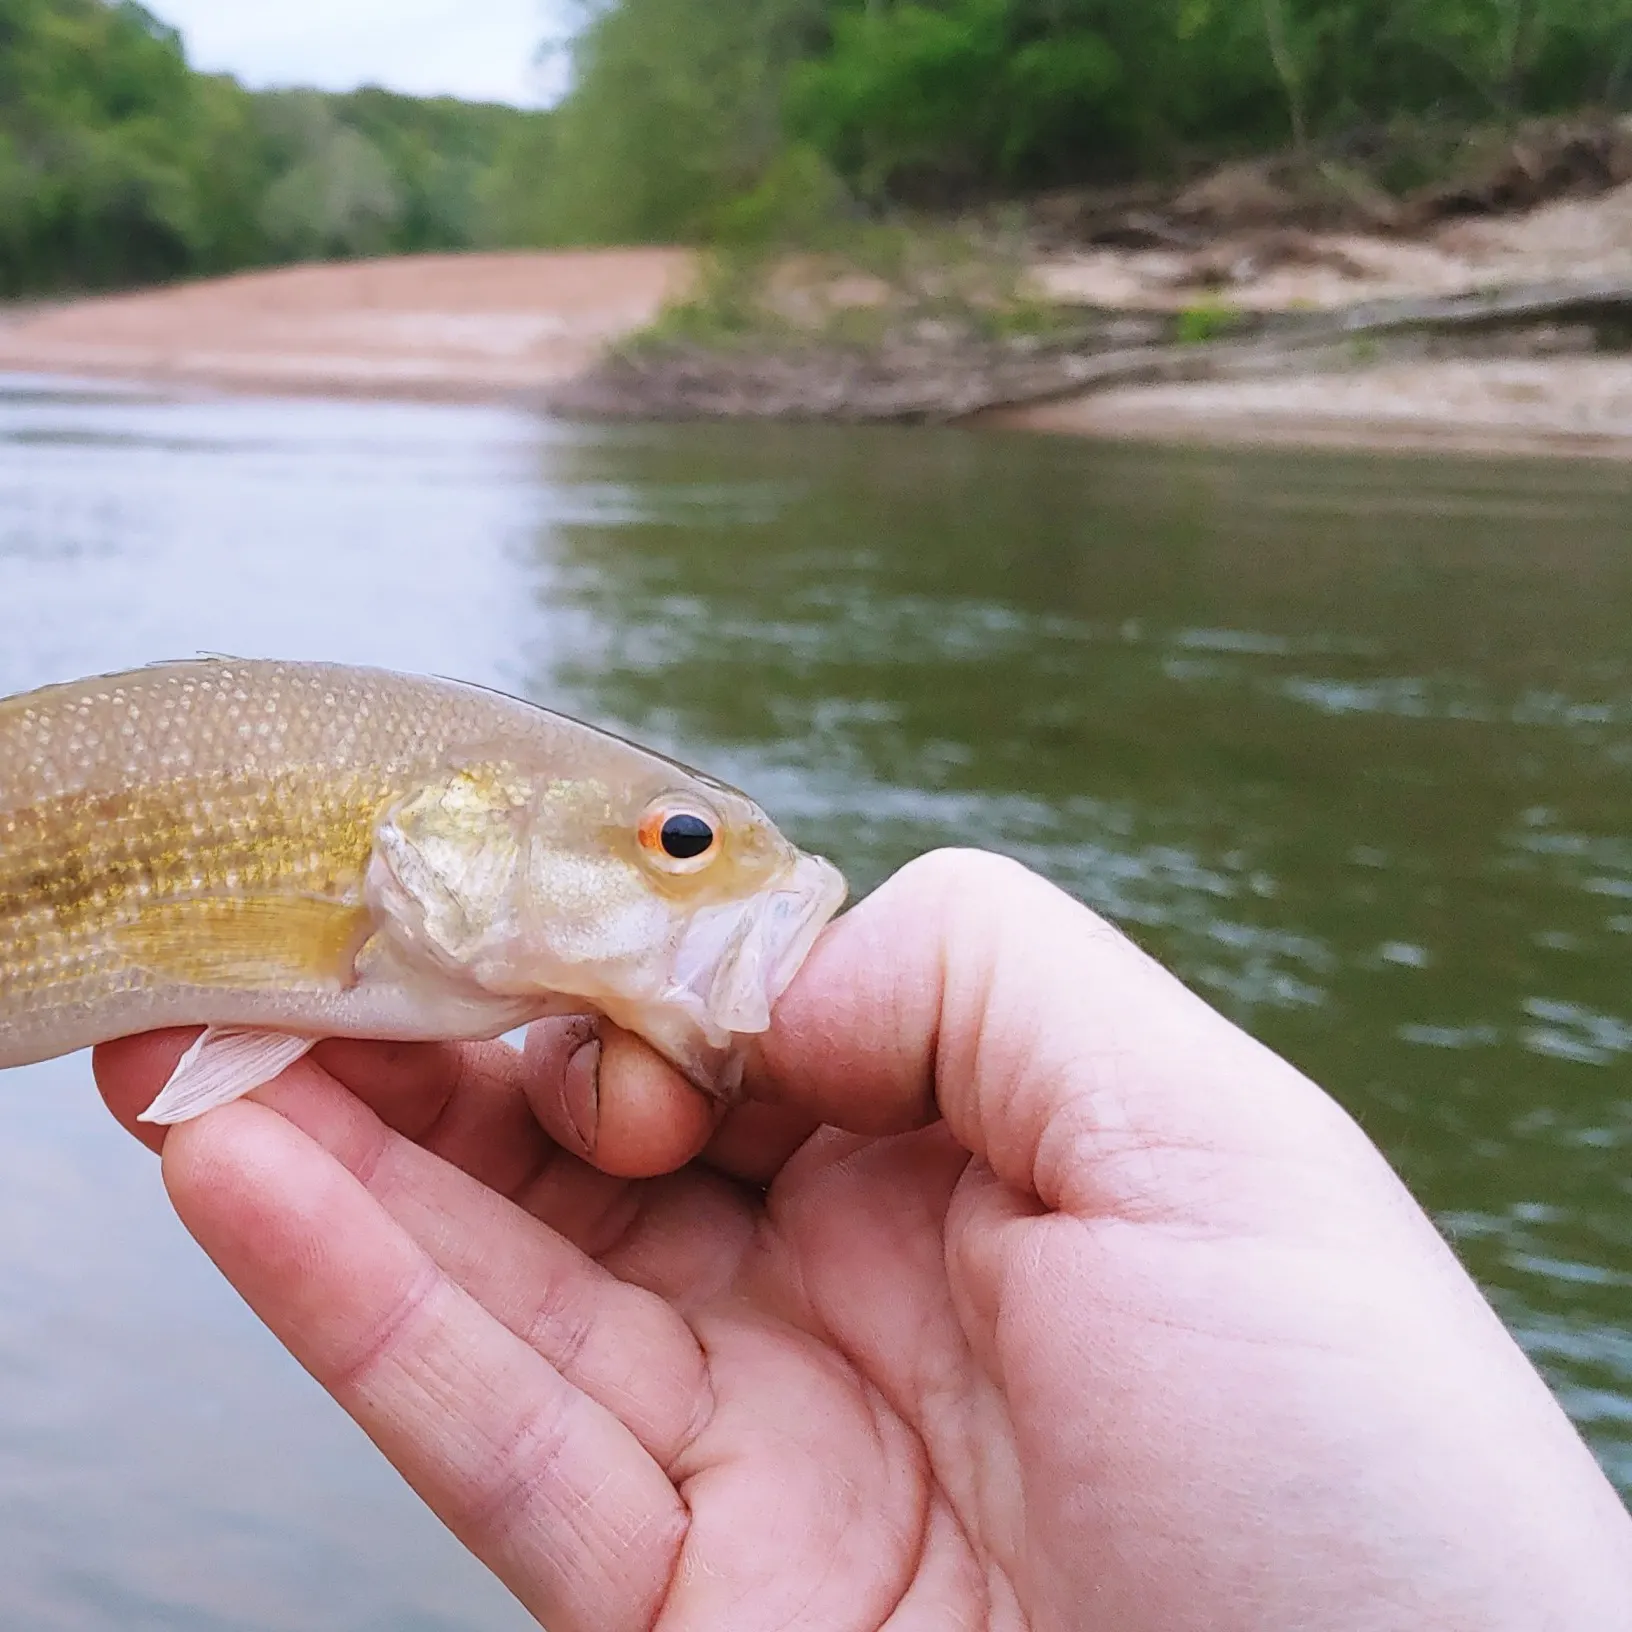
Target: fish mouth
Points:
x,y
734,962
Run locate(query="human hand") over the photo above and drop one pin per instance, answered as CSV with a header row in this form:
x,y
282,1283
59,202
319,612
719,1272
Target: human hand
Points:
x,y
1099,1315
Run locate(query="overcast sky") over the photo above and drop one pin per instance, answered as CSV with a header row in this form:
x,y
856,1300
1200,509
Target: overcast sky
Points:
x,y
482,49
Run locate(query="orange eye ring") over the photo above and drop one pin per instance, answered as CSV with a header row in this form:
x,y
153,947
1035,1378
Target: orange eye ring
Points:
x,y
679,836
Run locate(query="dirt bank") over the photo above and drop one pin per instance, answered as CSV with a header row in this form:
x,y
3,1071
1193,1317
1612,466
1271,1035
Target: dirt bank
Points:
x,y
444,326
1578,403
1267,269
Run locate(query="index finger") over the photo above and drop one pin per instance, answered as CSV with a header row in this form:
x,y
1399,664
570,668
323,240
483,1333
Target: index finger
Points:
x,y
582,1086
543,1483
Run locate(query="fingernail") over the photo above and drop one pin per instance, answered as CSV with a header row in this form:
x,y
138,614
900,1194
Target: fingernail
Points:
x,y
581,1093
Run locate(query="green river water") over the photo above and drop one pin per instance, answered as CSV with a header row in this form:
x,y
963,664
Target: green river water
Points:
x,y
1346,740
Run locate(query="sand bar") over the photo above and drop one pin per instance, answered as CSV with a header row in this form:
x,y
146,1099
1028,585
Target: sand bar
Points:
x,y
474,327
1580,406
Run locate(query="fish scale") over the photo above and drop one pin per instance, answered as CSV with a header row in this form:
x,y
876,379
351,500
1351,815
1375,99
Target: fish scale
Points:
x,y
76,870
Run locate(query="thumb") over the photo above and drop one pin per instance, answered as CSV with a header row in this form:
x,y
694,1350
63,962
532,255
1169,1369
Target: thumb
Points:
x,y
1078,1069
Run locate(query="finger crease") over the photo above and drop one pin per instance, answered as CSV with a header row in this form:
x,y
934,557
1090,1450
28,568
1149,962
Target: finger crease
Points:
x,y
534,1175
521,1470
464,1073
702,1415
558,1329
367,1164
386,1333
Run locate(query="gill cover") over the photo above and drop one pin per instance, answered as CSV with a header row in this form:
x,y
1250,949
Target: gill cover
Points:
x,y
469,875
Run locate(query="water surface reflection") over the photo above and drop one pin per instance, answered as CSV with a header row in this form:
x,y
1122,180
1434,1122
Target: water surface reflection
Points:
x,y
1347,740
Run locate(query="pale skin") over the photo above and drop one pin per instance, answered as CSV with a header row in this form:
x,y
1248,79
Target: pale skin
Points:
x,y
1099,1315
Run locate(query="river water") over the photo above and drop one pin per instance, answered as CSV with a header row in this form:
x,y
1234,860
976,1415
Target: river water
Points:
x,y
1347,740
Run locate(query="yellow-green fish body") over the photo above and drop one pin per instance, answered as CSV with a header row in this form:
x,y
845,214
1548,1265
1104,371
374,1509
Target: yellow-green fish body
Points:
x,y
288,851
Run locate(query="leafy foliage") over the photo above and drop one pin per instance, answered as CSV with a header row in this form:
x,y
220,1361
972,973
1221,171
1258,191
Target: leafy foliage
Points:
x,y
119,164
681,106
677,108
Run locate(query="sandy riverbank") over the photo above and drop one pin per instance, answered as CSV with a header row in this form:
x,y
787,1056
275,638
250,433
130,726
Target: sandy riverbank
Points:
x,y
517,326
474,327
1578,406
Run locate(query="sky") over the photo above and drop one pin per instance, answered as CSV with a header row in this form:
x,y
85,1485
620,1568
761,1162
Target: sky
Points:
x,y
480,49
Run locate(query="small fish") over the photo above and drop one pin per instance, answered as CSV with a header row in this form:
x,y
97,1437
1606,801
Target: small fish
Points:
x,y
283,852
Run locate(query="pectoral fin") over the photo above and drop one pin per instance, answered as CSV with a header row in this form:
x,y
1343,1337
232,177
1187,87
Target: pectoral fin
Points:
x,y
225,1063
245,942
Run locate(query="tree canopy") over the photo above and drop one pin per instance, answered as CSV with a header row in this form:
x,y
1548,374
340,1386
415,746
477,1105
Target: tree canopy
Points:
x,y
696,118
679,106
119,164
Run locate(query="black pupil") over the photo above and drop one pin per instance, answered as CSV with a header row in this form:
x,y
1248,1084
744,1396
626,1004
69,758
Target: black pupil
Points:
x,y
686,836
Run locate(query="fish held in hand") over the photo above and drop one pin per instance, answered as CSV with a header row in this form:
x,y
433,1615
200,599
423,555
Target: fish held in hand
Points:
x,y
283,852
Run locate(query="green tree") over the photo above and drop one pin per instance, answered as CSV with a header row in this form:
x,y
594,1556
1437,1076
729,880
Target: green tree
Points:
x,y
119,164
335,195
676,107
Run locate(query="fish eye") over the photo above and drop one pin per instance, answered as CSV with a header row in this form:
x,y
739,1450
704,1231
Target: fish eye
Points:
x,y
685,837
680,838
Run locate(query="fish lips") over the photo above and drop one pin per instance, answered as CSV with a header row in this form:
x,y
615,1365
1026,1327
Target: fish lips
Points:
x,y
734,961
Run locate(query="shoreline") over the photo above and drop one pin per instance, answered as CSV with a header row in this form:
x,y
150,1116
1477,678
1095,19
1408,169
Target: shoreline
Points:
x,y
522,328
1515,407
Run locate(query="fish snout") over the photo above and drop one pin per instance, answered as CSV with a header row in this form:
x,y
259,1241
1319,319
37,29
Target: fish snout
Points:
x,y
735,961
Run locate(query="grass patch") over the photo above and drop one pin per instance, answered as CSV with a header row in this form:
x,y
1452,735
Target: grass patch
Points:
x,y
858,283
1204,321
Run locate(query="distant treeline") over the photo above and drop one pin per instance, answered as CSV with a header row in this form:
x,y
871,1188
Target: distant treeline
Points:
x,y
693,119
692,116
119,164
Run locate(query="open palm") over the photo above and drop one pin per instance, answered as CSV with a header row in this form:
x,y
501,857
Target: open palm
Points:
x,y
1141,1333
